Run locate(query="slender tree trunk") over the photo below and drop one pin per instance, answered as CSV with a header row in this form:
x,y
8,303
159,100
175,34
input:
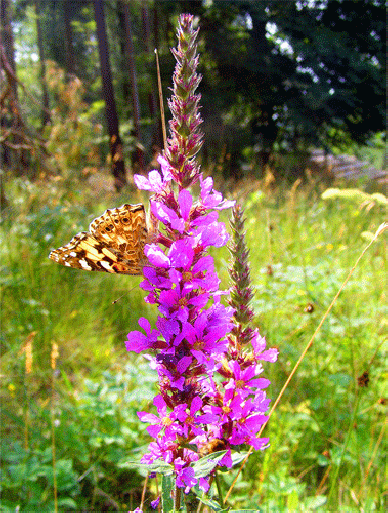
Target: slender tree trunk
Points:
x,y
13,151
69,54
126,85
7,41
116,147
46,106
131,66
263,126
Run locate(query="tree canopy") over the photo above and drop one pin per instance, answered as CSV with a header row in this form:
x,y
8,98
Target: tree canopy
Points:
x,y
277,76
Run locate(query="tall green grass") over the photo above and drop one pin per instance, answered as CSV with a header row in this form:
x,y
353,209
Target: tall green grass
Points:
x,y
326,433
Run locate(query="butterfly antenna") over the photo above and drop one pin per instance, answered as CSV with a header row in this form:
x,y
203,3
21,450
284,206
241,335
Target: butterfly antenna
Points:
x,y
118,299
127,292
161,100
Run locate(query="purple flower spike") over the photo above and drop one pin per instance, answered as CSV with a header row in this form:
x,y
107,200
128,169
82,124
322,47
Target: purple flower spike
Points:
x,y
206,354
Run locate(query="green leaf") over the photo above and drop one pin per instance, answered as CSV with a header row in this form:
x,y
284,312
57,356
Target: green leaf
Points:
x,y
213,504
168,490
237,457
205,465
161,467
66,502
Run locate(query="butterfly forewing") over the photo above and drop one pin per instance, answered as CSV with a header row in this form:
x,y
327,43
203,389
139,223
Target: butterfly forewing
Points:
x,y
115,243
123,229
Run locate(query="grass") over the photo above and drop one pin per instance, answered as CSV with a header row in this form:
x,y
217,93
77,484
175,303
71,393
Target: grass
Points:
x,y
326,448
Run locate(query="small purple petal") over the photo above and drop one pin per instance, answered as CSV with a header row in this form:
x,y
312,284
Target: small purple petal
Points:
x,y
155,503
185,203
160,404
145,324
165,168
147,417
186,477
142,182
181,253
163,213
155,181
137,342
154,430
270,355
259,443
156,256
204,484
184,364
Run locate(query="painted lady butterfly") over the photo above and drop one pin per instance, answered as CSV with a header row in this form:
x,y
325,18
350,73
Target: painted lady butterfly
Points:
x,y
114,243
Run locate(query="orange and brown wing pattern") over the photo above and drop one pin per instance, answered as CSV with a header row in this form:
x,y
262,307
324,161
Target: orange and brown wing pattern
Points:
x,y
115,243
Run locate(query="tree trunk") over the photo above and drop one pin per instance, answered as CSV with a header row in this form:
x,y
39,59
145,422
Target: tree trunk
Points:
x,y
7,41
131,67
69,54
263,126
13,149
46,106
125,81
116,147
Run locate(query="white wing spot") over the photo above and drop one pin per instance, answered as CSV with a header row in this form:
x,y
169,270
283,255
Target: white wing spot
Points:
x,y
84,264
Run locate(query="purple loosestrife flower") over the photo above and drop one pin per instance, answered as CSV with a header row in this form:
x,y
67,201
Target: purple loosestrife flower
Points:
x,y
164,421
209,384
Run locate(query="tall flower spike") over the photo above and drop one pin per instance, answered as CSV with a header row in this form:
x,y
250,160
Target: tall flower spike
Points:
x,y
209,389
241,292
185,137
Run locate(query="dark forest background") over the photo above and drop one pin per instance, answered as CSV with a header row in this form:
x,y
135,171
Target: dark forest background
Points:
x,y
279,78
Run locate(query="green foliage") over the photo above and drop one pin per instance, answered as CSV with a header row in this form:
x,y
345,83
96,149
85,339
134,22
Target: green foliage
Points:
x,y
374,151
167,486
96,428
302,247
311,251
32,470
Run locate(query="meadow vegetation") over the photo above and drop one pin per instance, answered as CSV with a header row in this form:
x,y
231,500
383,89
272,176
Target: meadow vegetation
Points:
x,y
80,404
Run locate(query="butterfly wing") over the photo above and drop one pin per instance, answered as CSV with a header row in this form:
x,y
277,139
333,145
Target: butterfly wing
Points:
x,y
124,230
115,243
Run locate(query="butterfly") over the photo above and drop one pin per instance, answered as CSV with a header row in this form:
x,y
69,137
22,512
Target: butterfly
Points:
x,y
114,243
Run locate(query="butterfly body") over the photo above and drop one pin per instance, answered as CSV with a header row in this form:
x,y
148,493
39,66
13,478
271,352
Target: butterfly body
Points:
x,y
114,243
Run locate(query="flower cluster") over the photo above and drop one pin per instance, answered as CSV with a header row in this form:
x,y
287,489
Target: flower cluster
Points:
x,y
205,353
209,390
